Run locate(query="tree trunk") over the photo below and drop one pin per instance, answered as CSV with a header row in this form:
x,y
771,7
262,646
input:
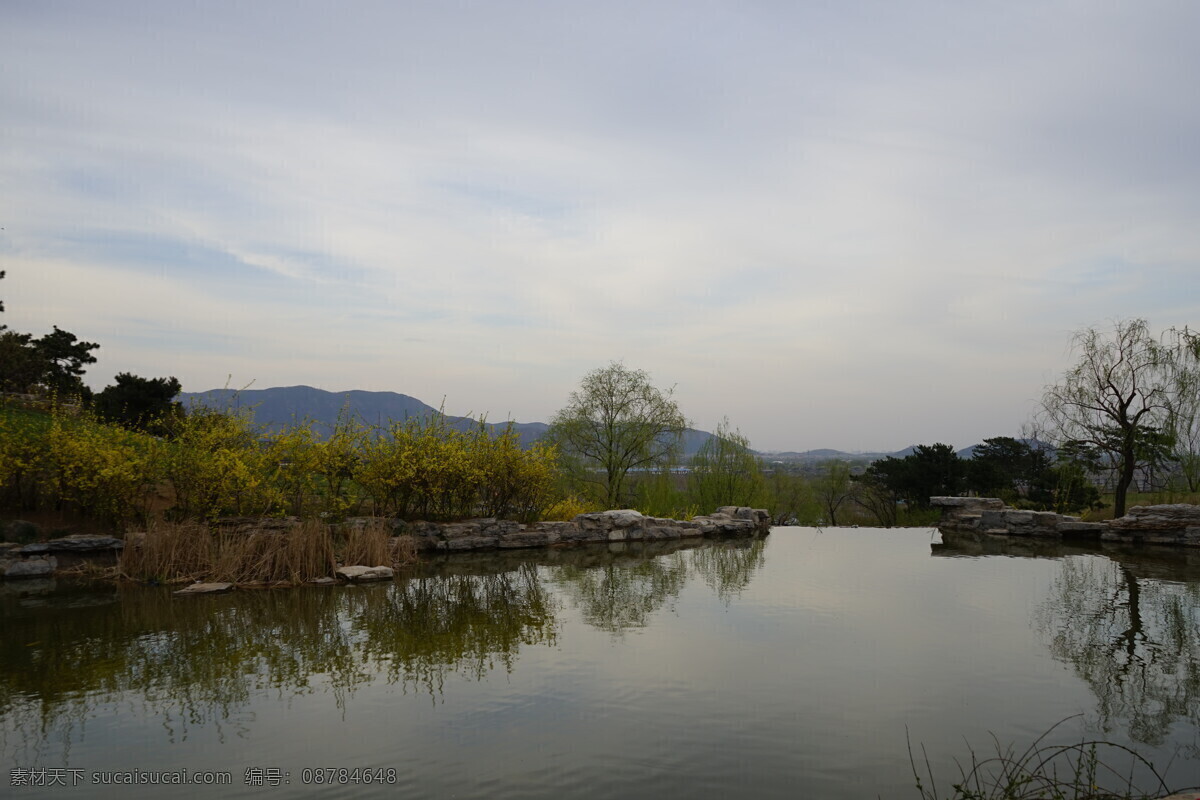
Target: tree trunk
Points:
x,y
1128,464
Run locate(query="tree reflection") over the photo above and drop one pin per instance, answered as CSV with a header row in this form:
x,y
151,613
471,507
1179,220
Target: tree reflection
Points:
x,y
427,627
67,657
1136,641
728,567
628,589
617,596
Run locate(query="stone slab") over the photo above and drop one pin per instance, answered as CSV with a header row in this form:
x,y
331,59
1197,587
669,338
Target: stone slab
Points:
x,y
206,588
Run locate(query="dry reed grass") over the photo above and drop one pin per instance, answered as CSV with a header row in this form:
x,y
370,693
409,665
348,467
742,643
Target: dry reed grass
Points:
x,y
373,545
295,555
189,551
168,553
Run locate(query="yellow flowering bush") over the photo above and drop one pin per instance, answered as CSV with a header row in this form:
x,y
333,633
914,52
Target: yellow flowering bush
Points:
x,y
212,464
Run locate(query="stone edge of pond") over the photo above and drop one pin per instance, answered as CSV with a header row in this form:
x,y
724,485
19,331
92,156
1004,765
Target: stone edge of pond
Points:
x,y
1171,524
44,559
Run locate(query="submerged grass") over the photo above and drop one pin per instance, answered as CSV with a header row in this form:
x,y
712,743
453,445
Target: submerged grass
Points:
x,y
190,551
1081,771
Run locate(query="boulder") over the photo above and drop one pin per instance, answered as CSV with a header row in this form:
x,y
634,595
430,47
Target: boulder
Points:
x,y
623,518
361,574
30,567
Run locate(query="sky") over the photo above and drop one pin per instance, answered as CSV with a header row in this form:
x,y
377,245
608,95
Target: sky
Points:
x,y
838,224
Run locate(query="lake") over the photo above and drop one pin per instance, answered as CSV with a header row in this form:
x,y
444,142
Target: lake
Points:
x,y
802,664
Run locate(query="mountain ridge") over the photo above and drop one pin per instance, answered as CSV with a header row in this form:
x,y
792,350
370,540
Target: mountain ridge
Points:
x,y
278,406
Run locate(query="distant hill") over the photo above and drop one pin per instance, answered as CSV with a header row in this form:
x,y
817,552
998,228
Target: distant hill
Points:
x,y
826,454
287,405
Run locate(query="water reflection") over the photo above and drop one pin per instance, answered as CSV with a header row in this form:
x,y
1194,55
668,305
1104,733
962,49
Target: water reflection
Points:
x,y
1127,620
67,656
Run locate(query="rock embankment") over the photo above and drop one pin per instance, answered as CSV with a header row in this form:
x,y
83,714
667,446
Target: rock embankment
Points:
x,y
1177,524
625,525
42,559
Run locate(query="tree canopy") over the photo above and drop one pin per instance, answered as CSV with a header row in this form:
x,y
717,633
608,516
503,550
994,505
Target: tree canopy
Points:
x,y
53,363
614,423
146,404
1115,404
726,471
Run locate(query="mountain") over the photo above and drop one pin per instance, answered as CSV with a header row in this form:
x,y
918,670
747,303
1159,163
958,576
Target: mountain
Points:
x,y
285,405
826,454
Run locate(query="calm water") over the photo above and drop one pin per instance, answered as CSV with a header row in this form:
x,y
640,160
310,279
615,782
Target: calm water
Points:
x,y
789,667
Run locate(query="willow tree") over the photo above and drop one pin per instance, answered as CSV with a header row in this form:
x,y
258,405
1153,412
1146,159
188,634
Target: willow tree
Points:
x,y
1115,402
1184,428
726,472
614,423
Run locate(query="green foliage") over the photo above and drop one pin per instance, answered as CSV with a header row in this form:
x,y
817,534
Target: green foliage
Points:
x,y
20,366
215,464
52,364
929,471
1183,424
218,465
726,472
68,463
834,489
665,493
791,499
145,404
615,423
568,508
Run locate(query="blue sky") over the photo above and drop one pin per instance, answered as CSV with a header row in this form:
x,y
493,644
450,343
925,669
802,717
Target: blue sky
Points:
x,y
849,225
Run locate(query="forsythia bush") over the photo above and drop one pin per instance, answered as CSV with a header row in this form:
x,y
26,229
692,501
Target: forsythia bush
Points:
x,y
214,464
74,464
217,465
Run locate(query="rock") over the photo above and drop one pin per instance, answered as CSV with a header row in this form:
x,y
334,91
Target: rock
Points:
x,y
82,542
35,549
1177,524
469,543
30,567
967,503
323,581
361,574
256,524
533,538
1177,516
623,518
206,588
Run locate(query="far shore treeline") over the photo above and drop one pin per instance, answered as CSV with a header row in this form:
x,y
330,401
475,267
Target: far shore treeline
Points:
x,y
1125,419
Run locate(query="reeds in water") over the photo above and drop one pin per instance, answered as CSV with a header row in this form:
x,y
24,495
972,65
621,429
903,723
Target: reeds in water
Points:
x,y
188,551
1086,770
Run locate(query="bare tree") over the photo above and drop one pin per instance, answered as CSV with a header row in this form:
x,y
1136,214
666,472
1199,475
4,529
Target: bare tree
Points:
x,y
1115,403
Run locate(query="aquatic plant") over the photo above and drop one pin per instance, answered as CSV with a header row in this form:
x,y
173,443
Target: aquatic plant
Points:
x,y
1086,770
